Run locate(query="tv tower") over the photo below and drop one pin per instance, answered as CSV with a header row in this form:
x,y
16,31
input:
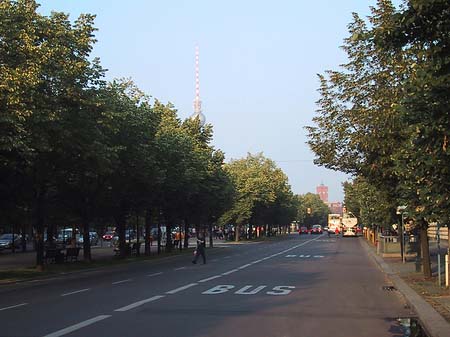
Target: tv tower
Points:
x,y
197,102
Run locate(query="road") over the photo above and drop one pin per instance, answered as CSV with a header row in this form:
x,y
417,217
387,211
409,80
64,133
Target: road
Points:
x,y
296,286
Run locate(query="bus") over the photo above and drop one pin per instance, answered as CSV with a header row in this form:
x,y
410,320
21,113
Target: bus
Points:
x,y
334,222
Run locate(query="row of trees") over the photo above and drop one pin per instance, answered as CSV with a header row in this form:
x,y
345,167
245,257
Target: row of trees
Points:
x,y
78,150
383,117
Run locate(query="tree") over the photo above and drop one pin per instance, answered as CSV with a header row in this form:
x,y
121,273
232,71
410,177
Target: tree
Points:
x,y
259,186
46,74
311,210
422,29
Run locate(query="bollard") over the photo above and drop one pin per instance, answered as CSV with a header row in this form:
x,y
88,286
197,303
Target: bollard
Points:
x,y
446,271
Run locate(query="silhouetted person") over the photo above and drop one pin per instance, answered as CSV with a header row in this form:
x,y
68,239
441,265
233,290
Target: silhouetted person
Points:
x,y
200,249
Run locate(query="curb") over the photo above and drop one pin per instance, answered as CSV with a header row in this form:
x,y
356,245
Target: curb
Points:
x,y
433,323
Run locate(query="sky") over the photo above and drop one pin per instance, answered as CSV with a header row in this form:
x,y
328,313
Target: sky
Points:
x,y
259,62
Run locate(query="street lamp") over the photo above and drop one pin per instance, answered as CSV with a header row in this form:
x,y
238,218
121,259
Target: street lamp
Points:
x,y
401,212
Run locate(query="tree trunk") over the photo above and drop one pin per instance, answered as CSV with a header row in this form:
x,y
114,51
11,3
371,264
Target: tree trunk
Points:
x,y
138,246
39,232
148,226
86,241
120,222
169,243
159,237
425,248
186,233
237,231
210,235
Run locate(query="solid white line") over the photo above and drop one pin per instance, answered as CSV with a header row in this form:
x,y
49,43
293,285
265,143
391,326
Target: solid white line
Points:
x,y
77,326
13,306
181,268
139,303
257,261
209,278
155,274
123,281
244,266
174,291
230,272
76,292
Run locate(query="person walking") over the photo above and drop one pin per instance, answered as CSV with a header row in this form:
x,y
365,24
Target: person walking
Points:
x,y
200,249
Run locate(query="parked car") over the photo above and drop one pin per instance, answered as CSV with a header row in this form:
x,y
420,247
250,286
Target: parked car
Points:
x,y
303,230
316,229
108,236
7,241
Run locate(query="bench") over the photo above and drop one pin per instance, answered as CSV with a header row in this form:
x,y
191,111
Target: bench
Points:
x,y
53,255
130,249
72,254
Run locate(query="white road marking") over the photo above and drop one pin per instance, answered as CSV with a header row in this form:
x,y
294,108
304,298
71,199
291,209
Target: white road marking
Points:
x,y
230,272
123,281
174,291
318,256
155,274
78,326
209,278
76,292
227,257
245,266
139,303
291,255
181,268
257,261
244,290
13,306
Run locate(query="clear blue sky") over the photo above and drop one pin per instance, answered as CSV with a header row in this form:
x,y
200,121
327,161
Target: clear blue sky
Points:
x,y
258,66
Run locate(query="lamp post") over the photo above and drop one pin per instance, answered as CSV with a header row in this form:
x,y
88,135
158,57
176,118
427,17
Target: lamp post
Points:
x,y
401,212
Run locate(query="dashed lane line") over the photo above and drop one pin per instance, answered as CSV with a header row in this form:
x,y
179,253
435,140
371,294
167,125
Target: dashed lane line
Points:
x,y
123,281
76,292
174,291
78,326
154,274
139,303
14,306
245,266
209,278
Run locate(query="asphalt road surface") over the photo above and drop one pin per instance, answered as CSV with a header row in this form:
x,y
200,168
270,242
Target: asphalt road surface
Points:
x,y
309,286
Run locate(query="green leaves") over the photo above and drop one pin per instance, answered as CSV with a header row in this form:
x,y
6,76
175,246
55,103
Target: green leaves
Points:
x,y
262,192
384,116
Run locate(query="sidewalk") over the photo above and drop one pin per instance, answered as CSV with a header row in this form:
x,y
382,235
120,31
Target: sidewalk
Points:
x,y
429,301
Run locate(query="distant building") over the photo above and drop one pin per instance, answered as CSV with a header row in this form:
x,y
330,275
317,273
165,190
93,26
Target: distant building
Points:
x,y
335,207
322,191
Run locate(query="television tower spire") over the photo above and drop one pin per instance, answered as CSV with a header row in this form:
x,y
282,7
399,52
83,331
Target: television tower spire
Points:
x,y
197,101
